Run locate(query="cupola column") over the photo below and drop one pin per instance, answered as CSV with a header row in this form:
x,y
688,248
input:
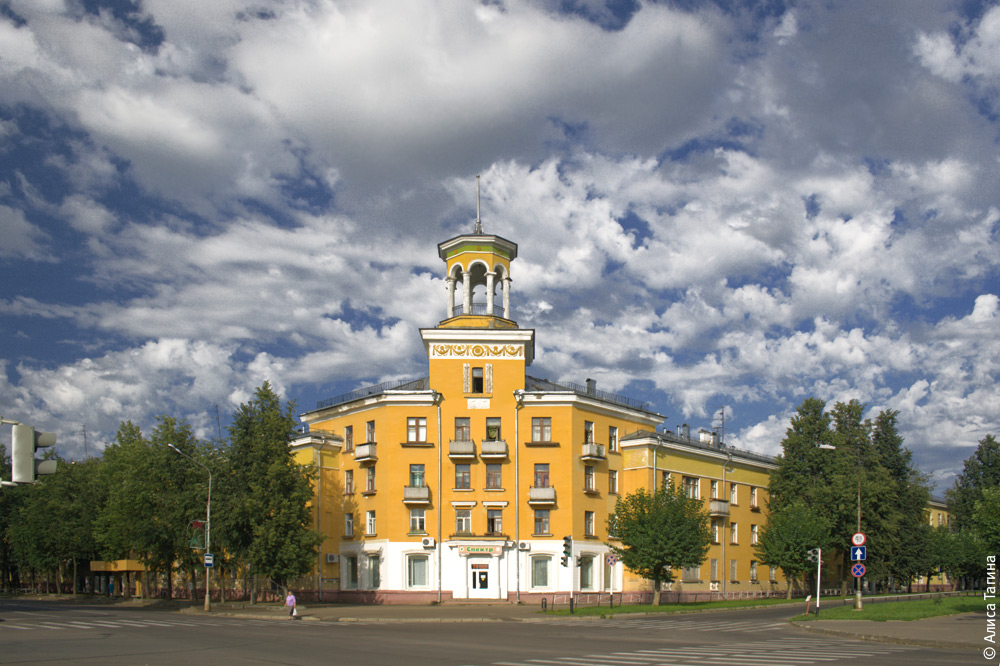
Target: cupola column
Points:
x,y
467,292
506,297
489,292
451,297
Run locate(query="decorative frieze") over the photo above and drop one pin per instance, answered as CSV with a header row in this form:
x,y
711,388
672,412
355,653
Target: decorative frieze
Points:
x,y
459,350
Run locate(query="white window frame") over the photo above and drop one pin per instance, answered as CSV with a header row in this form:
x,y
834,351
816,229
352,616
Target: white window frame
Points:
x,y
349,524
416,429
418,521
753,535
410,560
463,516
370,524
349,572
545,562
374,573
612,482
589,521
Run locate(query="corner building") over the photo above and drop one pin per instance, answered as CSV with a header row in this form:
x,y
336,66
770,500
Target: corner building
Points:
x,y
462,484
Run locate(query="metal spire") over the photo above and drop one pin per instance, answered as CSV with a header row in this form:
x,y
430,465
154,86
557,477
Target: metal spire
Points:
x,y
479,222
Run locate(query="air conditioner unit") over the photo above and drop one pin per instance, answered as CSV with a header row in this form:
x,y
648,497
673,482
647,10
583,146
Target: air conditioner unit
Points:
x,y
523,545
427,542
332,558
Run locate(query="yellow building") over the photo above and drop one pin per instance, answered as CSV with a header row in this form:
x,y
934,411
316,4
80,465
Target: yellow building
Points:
x,y
463,483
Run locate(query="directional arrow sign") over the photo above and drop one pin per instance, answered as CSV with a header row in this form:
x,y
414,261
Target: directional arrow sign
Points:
x,y
858,553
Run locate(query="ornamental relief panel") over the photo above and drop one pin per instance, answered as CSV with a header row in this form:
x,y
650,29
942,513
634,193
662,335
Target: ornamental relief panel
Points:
x,y
476,351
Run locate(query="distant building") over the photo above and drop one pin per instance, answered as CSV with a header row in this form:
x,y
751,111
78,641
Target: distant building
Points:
x,y
462,484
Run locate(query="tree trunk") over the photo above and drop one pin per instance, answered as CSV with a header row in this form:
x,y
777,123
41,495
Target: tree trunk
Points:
x,y
788,591
656,592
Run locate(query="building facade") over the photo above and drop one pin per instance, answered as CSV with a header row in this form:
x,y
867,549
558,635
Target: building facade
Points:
x,y
463,484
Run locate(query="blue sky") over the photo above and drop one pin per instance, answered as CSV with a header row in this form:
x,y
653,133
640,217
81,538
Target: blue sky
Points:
x,y
733,205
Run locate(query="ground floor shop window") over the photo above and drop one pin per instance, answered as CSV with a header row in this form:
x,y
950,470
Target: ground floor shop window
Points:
x,y
416,570
374,579
587,572
350,572
540,570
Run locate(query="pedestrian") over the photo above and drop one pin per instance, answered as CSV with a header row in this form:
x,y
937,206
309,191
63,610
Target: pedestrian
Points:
x,y
290,605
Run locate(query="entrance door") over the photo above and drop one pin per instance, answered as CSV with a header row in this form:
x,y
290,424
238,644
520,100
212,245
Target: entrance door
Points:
x,y
480,578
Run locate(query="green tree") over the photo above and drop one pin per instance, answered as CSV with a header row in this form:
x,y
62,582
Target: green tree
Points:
x,y
266,520
659,532
980,471
787,537
803,467
986,518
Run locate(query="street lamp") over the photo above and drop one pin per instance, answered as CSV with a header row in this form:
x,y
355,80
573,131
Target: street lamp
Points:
x,y
857,581
208,527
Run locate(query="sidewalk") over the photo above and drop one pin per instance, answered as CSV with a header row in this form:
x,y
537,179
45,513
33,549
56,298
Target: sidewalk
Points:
x,y
950,631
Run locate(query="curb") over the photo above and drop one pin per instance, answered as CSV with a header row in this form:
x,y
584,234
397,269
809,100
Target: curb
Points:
x,y
879,638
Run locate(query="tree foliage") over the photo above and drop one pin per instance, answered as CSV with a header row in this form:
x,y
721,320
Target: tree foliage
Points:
x,y
659,532
980,472
787,537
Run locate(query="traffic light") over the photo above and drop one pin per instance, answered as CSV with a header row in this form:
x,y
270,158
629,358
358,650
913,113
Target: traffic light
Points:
x,y
23,466
567,550
814,555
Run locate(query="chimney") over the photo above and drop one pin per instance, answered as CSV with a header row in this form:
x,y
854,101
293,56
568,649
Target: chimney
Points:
x,y
685,431
591,386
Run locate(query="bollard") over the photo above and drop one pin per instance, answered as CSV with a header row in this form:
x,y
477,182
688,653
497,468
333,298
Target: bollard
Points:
x,y
545,603
571,606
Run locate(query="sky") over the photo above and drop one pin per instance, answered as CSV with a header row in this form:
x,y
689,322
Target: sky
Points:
x,y
718,205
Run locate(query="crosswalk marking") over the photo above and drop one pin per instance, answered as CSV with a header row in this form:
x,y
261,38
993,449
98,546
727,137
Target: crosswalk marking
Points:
x,y
90,623
780,652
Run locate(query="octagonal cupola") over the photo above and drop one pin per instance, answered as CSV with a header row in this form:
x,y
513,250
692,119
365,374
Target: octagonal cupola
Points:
x,y
478,279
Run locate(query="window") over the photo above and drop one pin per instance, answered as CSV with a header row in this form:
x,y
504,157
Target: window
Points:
x,y
348,481
714,489
370,527
370,480
691,486
416,429
588,478
541,475
734,533
753,498
716,526
370,431
588,432
416,476
732,494
541,521
349,439
732,571
493,432
691,574
477,380
541,429
494,521
463,477
587,572
613,481
753,535
348,524
540,570
612,438
416,570
417,524
665,479
350,572
494,476
463,429
588,523
463,521
772,574
713,567
753,571
373,572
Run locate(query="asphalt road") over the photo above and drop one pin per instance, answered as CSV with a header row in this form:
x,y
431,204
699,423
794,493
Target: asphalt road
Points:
x,y
43,633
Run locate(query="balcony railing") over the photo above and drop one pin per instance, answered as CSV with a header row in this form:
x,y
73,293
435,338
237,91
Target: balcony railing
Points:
x,y
718,507
365,452
541,495
593,451
493,449
461,449
416,494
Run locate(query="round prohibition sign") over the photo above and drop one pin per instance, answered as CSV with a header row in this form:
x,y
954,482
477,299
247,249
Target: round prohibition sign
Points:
x,y
859,539
858,570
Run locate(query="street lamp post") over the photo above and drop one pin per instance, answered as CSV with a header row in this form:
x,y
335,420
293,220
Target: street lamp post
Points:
x,y
857,580
208,527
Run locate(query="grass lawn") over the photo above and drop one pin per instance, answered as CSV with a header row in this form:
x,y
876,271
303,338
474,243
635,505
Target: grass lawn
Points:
x,y
899,610
672,608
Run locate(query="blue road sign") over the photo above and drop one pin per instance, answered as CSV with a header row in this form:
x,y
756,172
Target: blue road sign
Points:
x,y
858,570
209,560
858,553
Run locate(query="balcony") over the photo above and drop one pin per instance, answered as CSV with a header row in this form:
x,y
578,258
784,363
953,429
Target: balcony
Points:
x,y
365,452
416,494
493,449
593,451
718,507
541,495
461,449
